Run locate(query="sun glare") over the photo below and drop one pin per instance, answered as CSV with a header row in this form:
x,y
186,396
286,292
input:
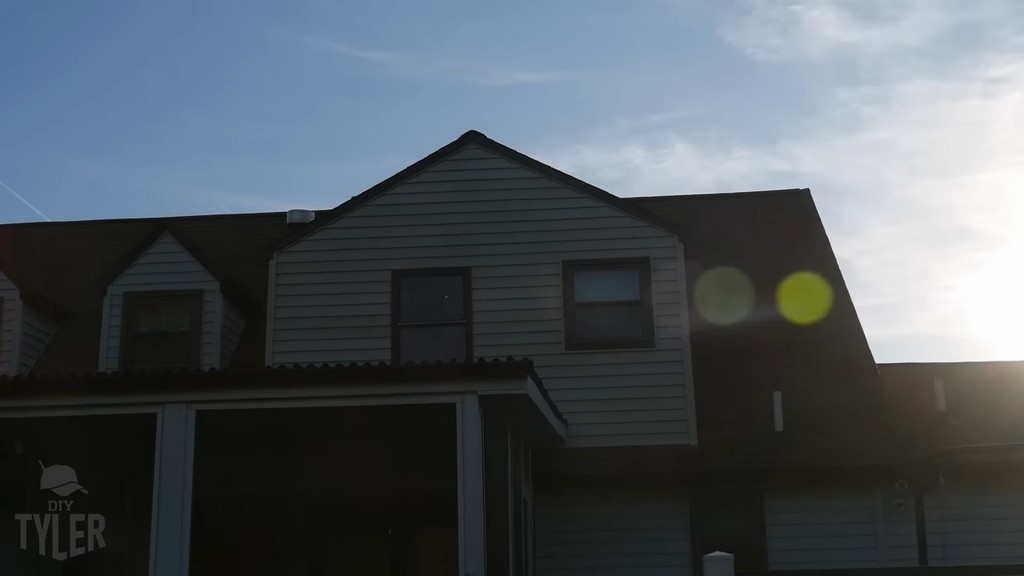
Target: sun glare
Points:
x,y
993,300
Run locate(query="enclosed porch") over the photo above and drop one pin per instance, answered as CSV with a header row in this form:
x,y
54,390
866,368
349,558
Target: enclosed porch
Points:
x,y
342,470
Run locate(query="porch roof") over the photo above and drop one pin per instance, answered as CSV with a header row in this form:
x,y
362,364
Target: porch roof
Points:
x,y
511,379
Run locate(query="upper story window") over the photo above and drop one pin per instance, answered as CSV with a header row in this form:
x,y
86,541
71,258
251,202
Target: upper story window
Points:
x,y
607,304
431,315
162,330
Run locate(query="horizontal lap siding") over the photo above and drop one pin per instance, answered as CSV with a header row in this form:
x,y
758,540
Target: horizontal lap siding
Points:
x,y
842,527
166,265
9,303
514,228
35,335
977,521
613,534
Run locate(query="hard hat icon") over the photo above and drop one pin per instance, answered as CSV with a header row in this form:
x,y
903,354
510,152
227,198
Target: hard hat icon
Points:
x,y
61,480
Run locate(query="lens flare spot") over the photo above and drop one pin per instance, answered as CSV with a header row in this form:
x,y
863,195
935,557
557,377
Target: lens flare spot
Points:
x,y
724,295
804,298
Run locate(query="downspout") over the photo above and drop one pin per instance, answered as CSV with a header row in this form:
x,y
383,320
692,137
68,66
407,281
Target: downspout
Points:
x,y
920,523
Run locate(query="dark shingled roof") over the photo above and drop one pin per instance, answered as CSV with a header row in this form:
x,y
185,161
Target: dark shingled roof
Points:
x,y
826,372
831,388
984,404
64,269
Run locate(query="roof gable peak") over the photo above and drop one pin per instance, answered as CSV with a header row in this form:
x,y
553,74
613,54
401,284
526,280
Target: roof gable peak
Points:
x,y
474,137
160,230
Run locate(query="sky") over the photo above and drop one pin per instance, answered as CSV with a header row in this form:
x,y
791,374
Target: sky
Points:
x,y
903,117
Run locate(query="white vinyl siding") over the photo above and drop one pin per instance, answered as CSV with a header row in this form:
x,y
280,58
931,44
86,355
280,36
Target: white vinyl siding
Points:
x,y
841,527
514,228
165,266
35,335
976,520
613,534
9,329
234,323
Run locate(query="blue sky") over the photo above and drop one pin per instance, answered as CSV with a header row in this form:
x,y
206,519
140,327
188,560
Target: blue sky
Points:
x,y
902,116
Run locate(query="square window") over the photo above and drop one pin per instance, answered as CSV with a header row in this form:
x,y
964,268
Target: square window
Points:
x,y
431,315
432,299
607,304
161,330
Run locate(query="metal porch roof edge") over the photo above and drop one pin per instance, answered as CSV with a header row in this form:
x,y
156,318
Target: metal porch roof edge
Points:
x,y
97,384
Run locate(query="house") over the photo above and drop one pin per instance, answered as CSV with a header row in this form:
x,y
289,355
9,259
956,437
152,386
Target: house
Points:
x,y
481,365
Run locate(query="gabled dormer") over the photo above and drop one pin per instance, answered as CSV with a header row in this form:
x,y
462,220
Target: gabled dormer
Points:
x,y
24,331
166,309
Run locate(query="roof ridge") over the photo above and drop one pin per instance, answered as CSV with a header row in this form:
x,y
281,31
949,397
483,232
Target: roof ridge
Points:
x,y
141,219
733,194
952,363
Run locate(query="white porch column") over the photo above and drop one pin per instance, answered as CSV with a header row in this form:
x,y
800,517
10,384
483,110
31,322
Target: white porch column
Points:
x,y
172,492
472,520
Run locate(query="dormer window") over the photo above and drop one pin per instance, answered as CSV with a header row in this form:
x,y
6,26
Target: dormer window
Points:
x,y
167,309
162,330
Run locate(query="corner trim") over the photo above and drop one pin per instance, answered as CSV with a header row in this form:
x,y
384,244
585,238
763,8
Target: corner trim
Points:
x,y
104,333
268,337
18,326
920,526
684,313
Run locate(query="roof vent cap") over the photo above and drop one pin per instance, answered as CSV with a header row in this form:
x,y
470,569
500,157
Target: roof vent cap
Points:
x,y
299,216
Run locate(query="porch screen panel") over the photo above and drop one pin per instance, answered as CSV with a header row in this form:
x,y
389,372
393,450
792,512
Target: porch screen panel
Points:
x,y
76,495
369,490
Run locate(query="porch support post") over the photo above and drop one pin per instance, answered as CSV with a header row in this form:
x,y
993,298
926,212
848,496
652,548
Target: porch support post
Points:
x,y
472,519
172,492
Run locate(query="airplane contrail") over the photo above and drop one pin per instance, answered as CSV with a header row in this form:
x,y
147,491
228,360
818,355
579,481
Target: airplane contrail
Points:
x,y
25,202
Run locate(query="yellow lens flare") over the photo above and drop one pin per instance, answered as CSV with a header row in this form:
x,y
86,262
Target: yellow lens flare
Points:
x,y
724,295
804,298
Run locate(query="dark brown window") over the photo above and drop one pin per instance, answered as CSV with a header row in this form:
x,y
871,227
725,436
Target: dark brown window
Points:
x,y
161,330
431,315
607,304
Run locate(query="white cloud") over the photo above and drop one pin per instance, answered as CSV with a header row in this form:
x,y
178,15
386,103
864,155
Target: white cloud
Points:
x,y
419,66
784,30
921,186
